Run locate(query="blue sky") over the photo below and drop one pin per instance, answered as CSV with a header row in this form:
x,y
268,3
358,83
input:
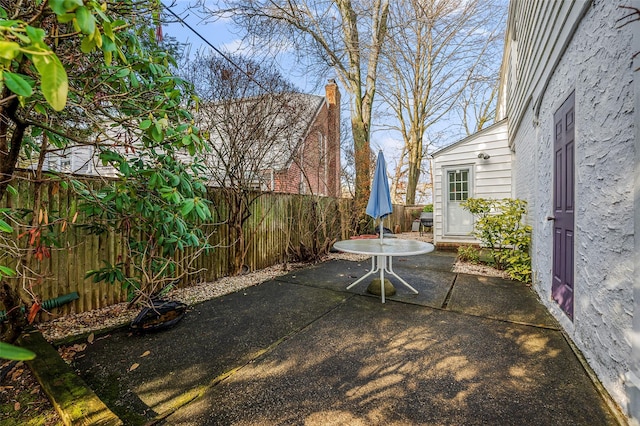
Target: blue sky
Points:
x,y
221,35
217,33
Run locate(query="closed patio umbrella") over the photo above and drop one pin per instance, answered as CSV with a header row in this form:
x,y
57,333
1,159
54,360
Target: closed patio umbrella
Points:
x,y
379,204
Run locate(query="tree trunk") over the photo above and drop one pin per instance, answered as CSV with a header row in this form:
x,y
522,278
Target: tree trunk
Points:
x,y
239,249
415,163
362,156
15,319
9,150
237,242
363,100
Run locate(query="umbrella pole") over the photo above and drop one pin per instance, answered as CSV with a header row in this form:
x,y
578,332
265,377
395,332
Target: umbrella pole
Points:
x,y
381,229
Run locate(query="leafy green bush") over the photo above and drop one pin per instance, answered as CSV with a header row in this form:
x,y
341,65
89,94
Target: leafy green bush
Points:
x,y
428,208
156,206
499,227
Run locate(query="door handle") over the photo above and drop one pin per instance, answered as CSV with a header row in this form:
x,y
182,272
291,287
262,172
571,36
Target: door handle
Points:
x,y
551,218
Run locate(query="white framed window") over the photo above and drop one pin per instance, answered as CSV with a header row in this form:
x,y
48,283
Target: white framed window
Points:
x,y
458,184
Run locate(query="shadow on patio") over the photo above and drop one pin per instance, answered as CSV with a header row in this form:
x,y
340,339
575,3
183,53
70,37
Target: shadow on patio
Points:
x,y
302,350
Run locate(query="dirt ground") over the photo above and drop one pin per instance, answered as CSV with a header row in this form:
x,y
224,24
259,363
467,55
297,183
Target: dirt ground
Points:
x,y
22,401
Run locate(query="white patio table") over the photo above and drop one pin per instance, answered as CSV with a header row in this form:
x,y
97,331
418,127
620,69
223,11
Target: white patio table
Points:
x,y
382,253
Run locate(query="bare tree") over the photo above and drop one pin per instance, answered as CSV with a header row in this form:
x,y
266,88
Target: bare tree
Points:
x,y
255,124
435,49
342,35
478,104
347,172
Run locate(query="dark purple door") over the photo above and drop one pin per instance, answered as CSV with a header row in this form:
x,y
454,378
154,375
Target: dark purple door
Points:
x,y
563,205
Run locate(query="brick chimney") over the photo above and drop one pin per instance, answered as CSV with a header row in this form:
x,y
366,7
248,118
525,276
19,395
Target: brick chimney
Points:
x,y
333,94
333,133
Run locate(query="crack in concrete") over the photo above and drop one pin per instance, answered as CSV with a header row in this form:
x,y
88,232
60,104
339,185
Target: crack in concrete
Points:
x,y
196,393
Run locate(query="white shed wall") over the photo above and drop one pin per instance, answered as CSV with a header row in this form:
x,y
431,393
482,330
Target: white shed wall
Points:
x,y
491,178
596,65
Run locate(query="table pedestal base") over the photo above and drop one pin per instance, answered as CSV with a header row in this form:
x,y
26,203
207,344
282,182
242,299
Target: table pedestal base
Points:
x,y
381,264
374,288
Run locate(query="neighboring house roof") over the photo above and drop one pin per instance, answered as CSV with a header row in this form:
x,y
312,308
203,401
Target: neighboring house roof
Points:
x,y
251,136
470,138
285,121
310,107
268,130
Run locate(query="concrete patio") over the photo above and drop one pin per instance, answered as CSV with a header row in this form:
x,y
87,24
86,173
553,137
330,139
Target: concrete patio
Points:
x,y
466,350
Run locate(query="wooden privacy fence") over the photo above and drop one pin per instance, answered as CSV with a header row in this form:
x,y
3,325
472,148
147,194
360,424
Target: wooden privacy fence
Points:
x,y
281,227
279,224
402,217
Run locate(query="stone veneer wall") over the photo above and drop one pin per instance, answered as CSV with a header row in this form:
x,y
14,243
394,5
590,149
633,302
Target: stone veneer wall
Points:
x,y
598,66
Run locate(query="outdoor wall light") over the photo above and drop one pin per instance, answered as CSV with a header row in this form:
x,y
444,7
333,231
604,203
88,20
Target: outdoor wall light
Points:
x,y
484,156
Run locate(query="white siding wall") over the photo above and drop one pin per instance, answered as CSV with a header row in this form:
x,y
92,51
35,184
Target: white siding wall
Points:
x,y
80,160
535,35
597,65
491,178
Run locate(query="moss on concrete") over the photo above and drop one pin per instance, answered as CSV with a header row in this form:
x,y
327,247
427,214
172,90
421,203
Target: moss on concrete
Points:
x,y
75,402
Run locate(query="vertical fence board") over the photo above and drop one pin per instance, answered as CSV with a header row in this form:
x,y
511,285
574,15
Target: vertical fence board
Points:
x,y
279,225
62,253
51,289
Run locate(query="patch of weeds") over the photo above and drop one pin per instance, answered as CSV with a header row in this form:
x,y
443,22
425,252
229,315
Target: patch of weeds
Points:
x,y
469,254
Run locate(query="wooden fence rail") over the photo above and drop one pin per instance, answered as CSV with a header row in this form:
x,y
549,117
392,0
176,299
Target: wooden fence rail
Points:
x,y
280,226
